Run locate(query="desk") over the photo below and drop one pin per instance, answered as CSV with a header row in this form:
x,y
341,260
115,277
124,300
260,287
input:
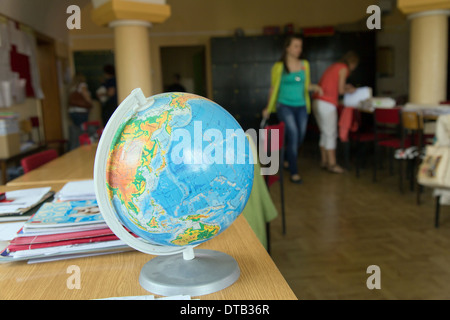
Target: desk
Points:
x,y
117,274
77,164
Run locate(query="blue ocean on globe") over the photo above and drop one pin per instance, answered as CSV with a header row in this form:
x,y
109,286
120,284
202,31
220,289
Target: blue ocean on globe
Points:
x,y
180,171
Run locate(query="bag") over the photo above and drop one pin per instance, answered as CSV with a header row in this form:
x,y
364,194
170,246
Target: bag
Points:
x,y
434,171
76,99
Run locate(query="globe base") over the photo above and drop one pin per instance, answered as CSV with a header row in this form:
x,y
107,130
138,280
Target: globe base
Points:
x,y
208,272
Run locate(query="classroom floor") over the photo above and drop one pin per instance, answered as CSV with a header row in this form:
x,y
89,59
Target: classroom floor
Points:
x,y
339,225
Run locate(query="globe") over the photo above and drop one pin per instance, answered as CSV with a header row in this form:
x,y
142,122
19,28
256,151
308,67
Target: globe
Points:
x,y
172,171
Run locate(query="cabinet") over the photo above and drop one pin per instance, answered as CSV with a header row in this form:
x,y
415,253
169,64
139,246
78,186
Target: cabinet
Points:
x,y
241,67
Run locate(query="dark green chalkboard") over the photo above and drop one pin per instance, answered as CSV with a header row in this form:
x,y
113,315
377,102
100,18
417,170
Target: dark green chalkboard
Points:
x,y
91,63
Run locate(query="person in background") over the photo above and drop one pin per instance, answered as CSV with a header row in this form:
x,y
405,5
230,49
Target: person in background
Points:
x,y
289,98
79,104
176,86
80,100
107,93
333,83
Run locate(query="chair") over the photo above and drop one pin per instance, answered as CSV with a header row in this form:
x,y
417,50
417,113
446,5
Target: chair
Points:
x,y
99,132
269,147
38,159
93,129
412,124
90,126
415,121
388,134
360,137
84,139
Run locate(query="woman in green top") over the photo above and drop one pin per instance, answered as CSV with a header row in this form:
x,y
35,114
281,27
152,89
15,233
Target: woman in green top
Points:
x,y
289,98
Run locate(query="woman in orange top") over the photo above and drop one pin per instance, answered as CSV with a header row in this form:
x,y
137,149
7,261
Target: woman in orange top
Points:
x,y
333,83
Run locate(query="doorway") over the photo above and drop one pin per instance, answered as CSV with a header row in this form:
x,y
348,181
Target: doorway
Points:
x,y
189,63
51,103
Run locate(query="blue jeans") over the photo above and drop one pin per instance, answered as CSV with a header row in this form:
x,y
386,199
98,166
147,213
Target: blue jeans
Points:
x,y
78,118
296,121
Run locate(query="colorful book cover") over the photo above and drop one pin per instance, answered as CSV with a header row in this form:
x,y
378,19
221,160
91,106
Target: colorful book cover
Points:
x,y
63,214
61,237
15,247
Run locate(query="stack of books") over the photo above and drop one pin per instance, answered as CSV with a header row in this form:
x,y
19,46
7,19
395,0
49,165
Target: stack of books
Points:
x,y
63,230
18,205
9,123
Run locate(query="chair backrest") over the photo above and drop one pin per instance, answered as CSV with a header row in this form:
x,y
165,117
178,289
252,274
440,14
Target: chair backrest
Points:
x,y
411,120
99,132
387,116
38,159
84,138
90,124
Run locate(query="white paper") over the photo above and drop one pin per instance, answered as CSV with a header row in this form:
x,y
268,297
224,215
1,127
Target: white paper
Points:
x,y
77,190
34,67
26,197
20,42
12,31
9,209
8,231
355,98
72,256
7,98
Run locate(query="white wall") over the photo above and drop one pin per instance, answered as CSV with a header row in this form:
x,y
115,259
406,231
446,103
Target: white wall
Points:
x,y
45,16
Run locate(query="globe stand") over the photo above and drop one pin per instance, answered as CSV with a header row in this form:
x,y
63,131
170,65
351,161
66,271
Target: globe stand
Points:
x,y
193,272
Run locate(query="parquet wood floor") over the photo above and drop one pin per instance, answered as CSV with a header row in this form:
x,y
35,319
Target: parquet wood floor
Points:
x,y
339,225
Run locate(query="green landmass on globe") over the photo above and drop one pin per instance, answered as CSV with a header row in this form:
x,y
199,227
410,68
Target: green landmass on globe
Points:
x,y
168,203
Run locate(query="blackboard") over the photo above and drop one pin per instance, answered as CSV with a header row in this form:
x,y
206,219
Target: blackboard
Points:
x,y
241,67
90,64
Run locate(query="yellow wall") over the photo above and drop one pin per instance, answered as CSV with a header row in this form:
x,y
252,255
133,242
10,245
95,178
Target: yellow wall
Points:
x,y
207,15
194,22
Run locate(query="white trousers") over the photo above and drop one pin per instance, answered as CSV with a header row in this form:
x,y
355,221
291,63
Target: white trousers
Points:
x,y
326,118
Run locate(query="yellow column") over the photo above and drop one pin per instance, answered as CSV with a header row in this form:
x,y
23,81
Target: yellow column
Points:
x,y
131,20
428,57
132,57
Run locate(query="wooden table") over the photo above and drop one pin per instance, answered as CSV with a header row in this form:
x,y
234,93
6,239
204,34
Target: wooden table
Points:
x,y
117,274
77,164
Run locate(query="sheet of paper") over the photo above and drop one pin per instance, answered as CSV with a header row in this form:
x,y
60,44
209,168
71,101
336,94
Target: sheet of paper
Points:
x,y
354,99
68,249
8,231
76,190
10,209
25,198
